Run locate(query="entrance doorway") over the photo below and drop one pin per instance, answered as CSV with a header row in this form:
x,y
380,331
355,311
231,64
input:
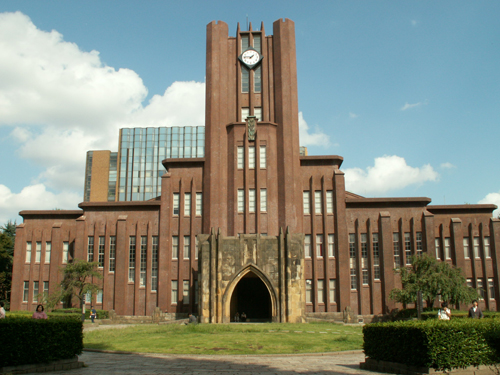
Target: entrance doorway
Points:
x,y
251,297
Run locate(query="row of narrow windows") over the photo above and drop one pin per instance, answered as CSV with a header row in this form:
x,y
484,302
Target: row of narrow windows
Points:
x,y
317,207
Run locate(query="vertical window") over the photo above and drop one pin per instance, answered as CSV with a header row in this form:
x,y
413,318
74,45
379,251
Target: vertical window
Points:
x,y
420,246
252,204
48,250
187,204
187,247
407,248
491,287
307,246
175,247
447,248
185,292
90,249
99,297
199,204
131,259
65,252
257,112
245,80
263,157
364,246
195,247
26,291
469,283
308,291
354,279
144,264
329,202
36,285
240,157
241,200
352,247
176,204
306,197
319,245
112,253
395,242
45,288
100,258
28,253
154,264
466,241
244,42
437,245
331,245
263,200
251,157
480,288
88,297
175,295
365,276
195,292
487,249
318,202
38,254
476,247
376,256
321,291
257,85
245,112
333,290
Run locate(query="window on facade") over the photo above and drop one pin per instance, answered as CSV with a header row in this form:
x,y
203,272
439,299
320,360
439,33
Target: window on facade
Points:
x,y
187,204
90,249
240,157
38,254
195,247
321,291
195,289
418,240
45,288
241,200
199,204
144,264
187,247
491,287
397,255
26,291
480,288
487,249
331,245
476,247
48,250
263,200
251,157
329,202
365,276
28,252
65,252
245,81
376,256
244,42
245,112
319,245
447,248
175,288
308,291
466,242
176,204
318,204
364,246
99,297
307,246
131,259
257,112
437,245
175,247
352,246
407,248
100,257
112,253
257,86
333,290
262,157
88,297
154,263
252,204
306,197
36,290
354,279
185,292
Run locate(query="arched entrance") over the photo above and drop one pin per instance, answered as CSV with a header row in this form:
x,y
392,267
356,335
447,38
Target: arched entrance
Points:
x,y
251,296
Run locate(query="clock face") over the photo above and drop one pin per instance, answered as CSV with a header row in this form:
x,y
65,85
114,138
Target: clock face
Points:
x,y
250,57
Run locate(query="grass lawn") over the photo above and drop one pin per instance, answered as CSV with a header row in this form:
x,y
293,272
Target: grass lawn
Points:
x,y
266,338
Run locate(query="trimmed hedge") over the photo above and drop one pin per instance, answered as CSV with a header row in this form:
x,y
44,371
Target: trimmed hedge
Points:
x,y
407,314
30,341
442,345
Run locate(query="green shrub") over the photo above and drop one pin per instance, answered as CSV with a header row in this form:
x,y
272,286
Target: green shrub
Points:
x,y
441,345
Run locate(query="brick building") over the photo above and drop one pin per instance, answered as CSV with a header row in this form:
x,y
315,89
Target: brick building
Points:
x,y
254,225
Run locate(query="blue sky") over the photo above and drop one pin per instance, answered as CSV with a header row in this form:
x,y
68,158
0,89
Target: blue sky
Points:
x,y
407,92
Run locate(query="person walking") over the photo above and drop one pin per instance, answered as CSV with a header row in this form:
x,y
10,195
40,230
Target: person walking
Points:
x,y
475,311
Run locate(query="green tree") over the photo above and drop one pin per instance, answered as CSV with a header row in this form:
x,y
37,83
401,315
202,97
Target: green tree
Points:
x,y
7,239
432,278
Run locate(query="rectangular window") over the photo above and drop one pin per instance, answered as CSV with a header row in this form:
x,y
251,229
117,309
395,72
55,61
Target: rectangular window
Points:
x,y
263,157
376,256
65,252
319,245
331,245
257,87
38,254
175,247
476,247
329,202
176,204
263,200
154,264
397,255
199,204
131,259
306,197
112,253
28,252
466,241
244,42
437,245
252,204
333,290
251,157
245,81
257,111
469,283
90,249
99,297
144,263
240,157
491,287
307,246
321,291
480,288
195,247
195,292
364,245
352,246
187,204
447,248
318,202
420,246
88,297
354,279
365,276
187,247
487,248
185,292
241,200
26,290
175,295
36,285
100,258
48,250
308,291
407,248
45,288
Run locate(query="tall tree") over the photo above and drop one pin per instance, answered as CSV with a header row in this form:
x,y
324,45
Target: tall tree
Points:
x,y
7,239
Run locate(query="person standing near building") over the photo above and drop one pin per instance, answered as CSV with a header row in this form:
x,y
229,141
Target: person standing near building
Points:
x,y
93,314
2,310
475,311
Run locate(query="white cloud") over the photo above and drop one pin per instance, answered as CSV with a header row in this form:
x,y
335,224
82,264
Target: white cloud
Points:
x,y
447,165
492,198
318,138
352,115
408,106
388,173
